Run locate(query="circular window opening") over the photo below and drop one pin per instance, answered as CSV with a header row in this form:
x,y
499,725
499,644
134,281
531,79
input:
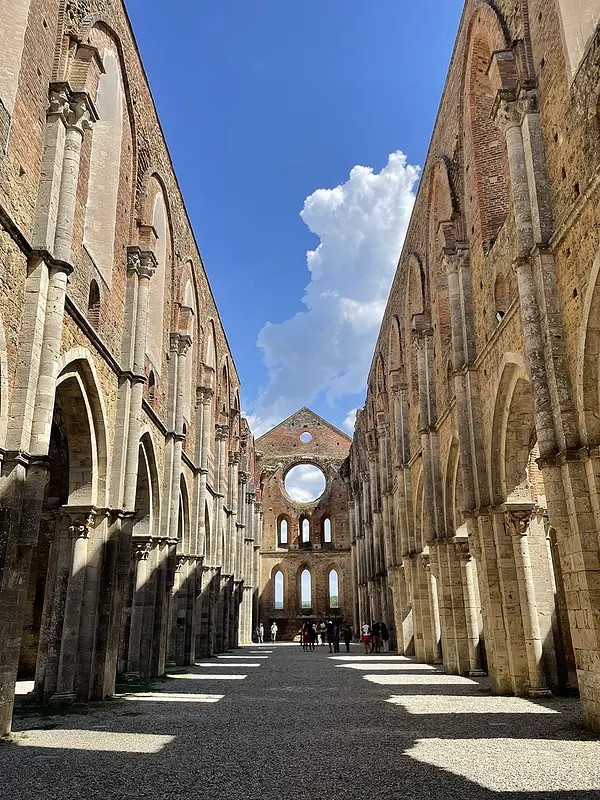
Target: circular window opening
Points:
x,y
306,437
305,483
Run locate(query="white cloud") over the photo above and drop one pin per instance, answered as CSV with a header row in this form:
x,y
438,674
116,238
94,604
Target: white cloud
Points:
x,y
327,348
348,424
305,483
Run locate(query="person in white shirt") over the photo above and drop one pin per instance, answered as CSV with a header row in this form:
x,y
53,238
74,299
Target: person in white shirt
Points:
x,y
366,637
273,632
261,633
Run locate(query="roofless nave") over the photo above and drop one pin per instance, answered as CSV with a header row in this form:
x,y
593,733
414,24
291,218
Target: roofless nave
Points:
x,y
132,495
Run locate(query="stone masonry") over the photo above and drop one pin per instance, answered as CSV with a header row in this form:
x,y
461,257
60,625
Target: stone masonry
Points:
x,y
130,519
474,468
304,439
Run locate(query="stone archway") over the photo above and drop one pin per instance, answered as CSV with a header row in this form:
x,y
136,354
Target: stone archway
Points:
x,y
65,576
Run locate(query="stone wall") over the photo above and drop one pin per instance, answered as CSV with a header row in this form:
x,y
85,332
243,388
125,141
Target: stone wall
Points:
x,y
486,362
282,449
148,552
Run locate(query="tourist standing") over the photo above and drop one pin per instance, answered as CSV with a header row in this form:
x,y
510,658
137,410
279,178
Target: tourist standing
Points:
x,y
274,632
336,637
366,636
260,632
322,632
385,637
329,627
305,635
347,637
375,638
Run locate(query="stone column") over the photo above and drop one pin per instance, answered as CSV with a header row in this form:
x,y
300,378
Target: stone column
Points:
x,y
467,566
517,523
203,434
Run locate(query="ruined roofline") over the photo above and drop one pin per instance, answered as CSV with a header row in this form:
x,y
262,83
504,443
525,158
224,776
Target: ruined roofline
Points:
x,y
305,408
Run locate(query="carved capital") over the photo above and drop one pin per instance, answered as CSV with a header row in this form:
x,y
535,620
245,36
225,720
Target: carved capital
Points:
x,y
517,517
81,114
81,524
234,458
185,342
509,111
221,433
58,105
141,549
141,262
244,477
204,395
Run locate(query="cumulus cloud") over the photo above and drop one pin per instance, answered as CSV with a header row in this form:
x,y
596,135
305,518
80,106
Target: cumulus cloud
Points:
x,y
327,348
305,483
348,423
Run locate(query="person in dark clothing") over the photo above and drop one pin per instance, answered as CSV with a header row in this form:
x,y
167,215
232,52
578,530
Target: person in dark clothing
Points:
x,y
336,637
375,637
329,628
385,637
347,637
306,636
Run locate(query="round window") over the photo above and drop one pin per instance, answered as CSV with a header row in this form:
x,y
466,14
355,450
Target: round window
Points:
x,y
305,483
306,437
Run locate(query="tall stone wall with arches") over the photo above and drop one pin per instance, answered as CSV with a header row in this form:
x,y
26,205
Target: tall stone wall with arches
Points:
x,y
130,515
474,499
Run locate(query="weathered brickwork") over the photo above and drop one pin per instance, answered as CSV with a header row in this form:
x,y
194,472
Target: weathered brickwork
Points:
x,y
474,506
130,516
325,546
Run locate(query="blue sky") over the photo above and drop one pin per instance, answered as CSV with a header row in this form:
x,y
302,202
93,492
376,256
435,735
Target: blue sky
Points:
x,y
263,104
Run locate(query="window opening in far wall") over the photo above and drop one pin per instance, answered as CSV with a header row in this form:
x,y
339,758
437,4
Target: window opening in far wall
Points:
x,y
327,531
94,305
305,531
283,532
279,591
306,437
334,590
306,589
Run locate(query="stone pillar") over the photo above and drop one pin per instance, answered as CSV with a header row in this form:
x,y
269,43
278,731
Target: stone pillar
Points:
x,y
221,439
517,523
467,566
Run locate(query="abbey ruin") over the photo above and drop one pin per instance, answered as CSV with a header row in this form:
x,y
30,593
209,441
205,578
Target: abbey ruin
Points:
x,y
142,526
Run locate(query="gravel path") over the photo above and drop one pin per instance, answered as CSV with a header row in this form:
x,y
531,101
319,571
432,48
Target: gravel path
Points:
x,y
274,722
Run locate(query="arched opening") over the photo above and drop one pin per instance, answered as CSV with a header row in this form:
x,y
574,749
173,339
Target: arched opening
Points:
x,y
334,590
105,164
486,164
327,531
579,22
93,313
187,315
305,483
13,24
76,480
282,532
305,530
156,299
501,297
151,387
306,590
207,536
278,590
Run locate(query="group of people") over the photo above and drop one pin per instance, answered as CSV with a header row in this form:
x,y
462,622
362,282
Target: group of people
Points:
x,y
376,636
328,631
260,633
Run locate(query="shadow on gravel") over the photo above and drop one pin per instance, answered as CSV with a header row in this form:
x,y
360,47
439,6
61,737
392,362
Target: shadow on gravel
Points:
x,y
300,727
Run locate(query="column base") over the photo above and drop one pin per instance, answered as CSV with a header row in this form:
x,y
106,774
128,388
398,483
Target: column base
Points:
x,y
477,673
539,693
131,676
62,699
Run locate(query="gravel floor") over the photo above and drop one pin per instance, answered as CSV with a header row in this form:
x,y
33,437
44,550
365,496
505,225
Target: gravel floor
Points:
x,y
280,723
